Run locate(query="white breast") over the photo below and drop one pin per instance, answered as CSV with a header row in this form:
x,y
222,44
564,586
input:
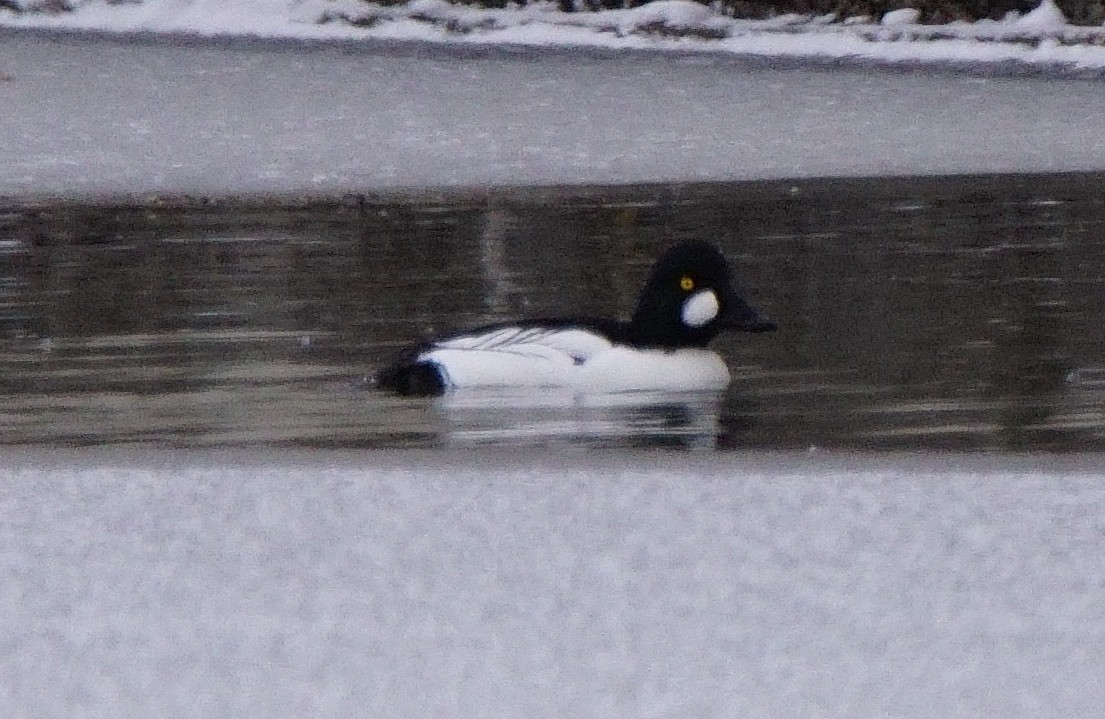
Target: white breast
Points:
x,y
624,369
571,358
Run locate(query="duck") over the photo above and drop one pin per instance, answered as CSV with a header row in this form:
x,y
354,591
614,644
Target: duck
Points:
x,y
688,299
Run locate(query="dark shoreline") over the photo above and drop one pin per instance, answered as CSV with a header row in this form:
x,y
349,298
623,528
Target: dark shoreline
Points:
x,y
1015,187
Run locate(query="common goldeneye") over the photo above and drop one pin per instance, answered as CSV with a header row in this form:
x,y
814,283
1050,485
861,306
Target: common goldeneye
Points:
x,y
687,300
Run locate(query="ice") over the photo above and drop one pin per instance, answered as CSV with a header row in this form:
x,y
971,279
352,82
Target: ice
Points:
x,y
484,105
549,585
93,117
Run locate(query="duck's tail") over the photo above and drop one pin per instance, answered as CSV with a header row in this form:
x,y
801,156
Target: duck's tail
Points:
x,y
411,379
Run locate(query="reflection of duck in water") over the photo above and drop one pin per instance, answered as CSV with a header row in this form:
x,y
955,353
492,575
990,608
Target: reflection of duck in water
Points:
x,y
688,299
557,417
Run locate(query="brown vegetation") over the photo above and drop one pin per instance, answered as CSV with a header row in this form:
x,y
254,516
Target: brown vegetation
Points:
x,y
1079,12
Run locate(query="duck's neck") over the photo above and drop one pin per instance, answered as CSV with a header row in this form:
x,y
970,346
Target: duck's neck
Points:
x,y
651,330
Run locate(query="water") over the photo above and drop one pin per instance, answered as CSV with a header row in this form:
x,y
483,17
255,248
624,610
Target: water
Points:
x,y
914,313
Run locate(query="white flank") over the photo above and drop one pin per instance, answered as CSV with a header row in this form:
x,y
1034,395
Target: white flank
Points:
x,y
700,308
573,359
516,357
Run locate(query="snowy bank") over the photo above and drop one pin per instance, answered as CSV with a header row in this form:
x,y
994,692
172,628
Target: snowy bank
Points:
x,y
1042,37
537,585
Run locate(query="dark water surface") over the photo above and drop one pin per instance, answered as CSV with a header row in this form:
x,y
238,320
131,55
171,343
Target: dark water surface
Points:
x,y
961,312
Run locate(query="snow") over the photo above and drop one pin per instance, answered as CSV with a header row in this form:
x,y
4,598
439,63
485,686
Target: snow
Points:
x,y
1041,38
904,16
544,585
1047,18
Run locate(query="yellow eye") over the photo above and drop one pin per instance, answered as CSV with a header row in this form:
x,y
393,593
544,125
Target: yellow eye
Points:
x,y
686,283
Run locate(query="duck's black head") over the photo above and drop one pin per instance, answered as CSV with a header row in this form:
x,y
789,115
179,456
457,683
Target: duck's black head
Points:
x,y
689,298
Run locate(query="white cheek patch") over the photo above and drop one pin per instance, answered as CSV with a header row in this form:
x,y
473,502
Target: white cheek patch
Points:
x,y
700,308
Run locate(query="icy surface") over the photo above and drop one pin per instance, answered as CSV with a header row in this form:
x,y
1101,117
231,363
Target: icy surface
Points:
x,y
600,585
91,117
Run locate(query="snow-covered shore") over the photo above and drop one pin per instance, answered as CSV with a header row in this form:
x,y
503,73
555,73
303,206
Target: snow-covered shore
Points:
x,y
534,585
1041,38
